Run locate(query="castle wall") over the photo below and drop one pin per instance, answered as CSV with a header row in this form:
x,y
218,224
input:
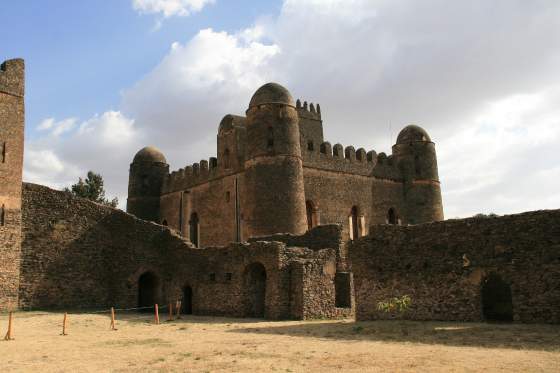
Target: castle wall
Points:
x,y
12,117
443,267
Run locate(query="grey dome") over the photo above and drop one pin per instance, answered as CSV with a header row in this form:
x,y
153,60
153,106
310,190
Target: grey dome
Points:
x,y
149,154
272,93
413,133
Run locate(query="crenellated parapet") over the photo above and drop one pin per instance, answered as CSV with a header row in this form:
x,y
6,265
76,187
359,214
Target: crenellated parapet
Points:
x,y
308,111
12,77
193,175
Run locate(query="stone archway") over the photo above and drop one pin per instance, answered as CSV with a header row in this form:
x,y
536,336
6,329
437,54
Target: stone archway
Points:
x,y
255,286
148,289
496,297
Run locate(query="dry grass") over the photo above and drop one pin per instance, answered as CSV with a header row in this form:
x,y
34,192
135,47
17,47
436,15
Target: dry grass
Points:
x,y
204,344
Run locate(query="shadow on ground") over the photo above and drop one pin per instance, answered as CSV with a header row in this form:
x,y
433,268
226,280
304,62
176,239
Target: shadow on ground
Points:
x,y
511,336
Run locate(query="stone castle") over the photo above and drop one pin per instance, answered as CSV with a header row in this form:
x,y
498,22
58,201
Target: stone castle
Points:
x,y
280,225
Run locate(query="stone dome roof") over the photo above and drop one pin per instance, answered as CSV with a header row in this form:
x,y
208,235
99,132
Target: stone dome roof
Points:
x,y
272,93
149,154
412,133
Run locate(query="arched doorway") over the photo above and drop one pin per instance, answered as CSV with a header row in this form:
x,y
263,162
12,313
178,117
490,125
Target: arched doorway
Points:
x,y
354,223
187,304
193,229
255,283
312,218
496,299
148,289
392,216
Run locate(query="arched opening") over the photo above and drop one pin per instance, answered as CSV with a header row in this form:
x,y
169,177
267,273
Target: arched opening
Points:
x,y
164,222
310,146
148,290
255,283
2,215
226,158
392,216
187,304
496,299
312,214
354,223
193,229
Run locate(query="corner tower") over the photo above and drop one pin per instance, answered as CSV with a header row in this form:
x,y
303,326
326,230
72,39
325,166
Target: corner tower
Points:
x,y
148,171
415,154
275,199
12,121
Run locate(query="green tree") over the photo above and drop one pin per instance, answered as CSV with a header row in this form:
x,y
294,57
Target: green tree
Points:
x,y
92,189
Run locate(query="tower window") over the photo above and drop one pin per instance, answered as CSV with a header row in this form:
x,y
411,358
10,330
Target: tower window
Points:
x,y
270,138
226,158
392,217
310,146
2,216
194,229
3,152
355,233
417,167
227,196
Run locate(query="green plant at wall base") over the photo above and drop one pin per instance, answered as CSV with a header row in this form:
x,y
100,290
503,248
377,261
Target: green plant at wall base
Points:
x,y
399,304
92,189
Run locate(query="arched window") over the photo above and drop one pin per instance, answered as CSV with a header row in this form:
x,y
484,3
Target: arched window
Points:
x,y
312,214
194,229
310,146
164,222
355,232
392,216
497,304
226,158
2,215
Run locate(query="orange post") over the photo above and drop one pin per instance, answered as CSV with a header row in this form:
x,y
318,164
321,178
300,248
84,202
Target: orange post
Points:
x,y
8,336
113,319
170,317
64,323
156,316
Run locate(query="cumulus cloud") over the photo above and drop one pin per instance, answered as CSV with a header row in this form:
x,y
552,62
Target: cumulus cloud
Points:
x,y
169,8
480,76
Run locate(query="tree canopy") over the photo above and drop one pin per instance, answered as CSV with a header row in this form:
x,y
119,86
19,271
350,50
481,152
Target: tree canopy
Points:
x,y
92,189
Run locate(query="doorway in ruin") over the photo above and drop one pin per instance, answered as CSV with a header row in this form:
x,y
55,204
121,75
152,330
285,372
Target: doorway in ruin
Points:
x,y
148,290
497,304
187,304
311,212
392,216
354,223
255,282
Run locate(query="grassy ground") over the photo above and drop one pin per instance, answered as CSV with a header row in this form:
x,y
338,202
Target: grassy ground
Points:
x,y
204,344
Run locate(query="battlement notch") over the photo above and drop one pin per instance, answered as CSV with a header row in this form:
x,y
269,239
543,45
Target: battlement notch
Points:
x,y
12,77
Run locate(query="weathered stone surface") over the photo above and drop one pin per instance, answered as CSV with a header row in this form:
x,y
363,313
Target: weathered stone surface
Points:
x,y
443,265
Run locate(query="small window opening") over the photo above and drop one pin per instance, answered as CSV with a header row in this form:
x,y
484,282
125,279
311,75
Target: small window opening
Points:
x,y
194,229
164,222
229,276
354,223
226,158
417,166
227,196
392,217
2,216
3,152
270,141
212,277
310,146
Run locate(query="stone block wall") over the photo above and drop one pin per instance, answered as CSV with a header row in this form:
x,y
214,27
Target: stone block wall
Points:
x,y
444,266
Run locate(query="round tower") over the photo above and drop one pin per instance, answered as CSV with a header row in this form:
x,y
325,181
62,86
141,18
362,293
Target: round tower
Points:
x,y
275,199
415,154
147,173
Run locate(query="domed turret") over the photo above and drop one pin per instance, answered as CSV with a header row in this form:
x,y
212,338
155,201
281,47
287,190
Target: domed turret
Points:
x,y
272,93
149,154
412,133
273,169
415,155
147,173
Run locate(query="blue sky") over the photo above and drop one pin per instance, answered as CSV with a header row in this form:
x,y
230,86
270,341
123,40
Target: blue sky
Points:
x,y
105,78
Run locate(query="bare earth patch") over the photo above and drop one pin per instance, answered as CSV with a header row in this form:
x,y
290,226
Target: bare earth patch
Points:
x,y
210,344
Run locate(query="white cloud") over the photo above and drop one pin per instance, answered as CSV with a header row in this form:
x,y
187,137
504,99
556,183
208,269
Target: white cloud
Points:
x,y
57,128
480,76
169,8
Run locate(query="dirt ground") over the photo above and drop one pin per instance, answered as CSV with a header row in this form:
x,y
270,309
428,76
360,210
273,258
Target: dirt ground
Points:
x,y
208,344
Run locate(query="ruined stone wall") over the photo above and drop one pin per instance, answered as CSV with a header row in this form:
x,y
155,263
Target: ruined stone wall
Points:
x,y
443,266
12,119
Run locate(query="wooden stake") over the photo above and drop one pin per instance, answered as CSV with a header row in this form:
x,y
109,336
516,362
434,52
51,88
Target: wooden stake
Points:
x,y
8,336
178,309
170,317
156,316
113,319
64,324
